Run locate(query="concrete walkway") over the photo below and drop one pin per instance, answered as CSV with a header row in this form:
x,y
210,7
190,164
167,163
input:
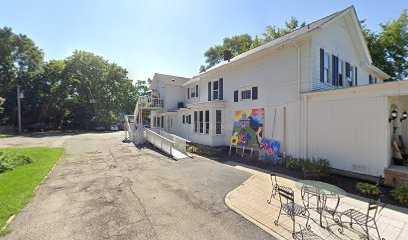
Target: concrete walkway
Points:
x,y
250,200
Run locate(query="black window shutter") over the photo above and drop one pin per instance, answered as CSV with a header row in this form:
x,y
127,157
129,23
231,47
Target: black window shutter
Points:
x,y
184,118
236,96
254,93
209,91
321,65
370,79
355,79
221,89
188,93
196,90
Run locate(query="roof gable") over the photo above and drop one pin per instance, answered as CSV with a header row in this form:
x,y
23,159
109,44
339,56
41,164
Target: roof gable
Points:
x,y
326,21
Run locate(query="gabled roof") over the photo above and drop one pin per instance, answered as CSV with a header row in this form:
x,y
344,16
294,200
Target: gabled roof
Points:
x,y
297,34
170,79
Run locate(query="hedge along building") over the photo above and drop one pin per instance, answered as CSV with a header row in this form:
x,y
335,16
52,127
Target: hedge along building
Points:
x,y
320,94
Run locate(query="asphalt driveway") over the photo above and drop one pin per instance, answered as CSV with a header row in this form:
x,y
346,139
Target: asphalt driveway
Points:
x,y
106,189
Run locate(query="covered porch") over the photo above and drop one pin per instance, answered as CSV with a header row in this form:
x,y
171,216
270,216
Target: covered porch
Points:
x,y
397,172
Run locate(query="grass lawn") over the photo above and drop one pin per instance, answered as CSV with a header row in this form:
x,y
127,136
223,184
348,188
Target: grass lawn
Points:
x,y
17,186
5,135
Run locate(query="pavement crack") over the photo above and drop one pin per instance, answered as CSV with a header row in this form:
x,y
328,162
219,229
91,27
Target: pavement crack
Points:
x,y
146,216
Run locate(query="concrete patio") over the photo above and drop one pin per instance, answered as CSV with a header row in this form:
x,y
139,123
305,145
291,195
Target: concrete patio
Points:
x,y
250,200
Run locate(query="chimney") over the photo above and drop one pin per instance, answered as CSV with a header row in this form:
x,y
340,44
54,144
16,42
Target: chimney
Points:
x,y
227,55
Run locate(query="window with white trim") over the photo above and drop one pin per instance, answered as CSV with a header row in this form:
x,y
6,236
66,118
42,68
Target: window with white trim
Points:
x,y
350,74
207,122
246,94
193,92
340,72
195,121
215,90
201,121
326,69
218,121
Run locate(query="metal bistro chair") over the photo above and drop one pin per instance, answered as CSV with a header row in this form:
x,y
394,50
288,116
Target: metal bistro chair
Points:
x,y
366,220
275,185
291,208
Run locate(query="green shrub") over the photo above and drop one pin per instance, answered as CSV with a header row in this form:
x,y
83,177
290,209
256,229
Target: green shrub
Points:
x,y
401,194
204,150
368,189
8,161
319,168
293,163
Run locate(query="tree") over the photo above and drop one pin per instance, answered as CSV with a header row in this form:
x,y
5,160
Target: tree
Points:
x,y
202,69
214,55
256,42
241,43
20,59
389,47
273,32
236,44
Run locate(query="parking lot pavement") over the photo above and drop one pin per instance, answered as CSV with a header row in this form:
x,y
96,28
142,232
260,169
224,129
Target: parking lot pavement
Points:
x,y
106,189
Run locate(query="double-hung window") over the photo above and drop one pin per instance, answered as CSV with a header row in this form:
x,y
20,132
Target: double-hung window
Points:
x,y
350,74
218,121
195,121
207,122
201,121
341,72
193,92
154,122
246,94
215,90
326,67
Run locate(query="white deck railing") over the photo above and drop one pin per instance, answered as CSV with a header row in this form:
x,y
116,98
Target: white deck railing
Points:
x,y
129,127
149,102
180,143
159,141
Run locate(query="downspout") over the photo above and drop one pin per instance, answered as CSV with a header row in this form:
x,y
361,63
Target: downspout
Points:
x,y
299,107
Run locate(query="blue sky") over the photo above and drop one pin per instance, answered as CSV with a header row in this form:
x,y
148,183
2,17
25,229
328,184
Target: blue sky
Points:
x,y
164,36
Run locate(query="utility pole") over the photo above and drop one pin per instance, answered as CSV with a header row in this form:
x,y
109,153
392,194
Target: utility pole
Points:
x,y
19,108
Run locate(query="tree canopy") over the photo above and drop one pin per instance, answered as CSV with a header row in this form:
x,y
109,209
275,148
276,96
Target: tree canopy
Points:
x,y
241,43
389,47
80,92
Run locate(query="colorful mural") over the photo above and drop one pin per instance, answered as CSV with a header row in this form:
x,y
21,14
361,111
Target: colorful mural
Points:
x,y
248,128
269,150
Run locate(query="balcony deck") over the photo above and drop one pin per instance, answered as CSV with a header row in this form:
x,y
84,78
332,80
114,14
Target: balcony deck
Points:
x,y
152,103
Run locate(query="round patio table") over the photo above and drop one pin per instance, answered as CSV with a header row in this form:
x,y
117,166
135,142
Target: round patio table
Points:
x,y
322,191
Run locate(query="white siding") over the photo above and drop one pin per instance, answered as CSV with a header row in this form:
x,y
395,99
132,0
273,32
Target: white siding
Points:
x,y
275,74
337,38
350,130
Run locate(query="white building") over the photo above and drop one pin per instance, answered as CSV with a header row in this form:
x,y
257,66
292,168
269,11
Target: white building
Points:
x,y
329,100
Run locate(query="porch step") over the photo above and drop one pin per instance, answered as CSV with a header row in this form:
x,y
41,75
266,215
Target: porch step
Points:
x,y
396,175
